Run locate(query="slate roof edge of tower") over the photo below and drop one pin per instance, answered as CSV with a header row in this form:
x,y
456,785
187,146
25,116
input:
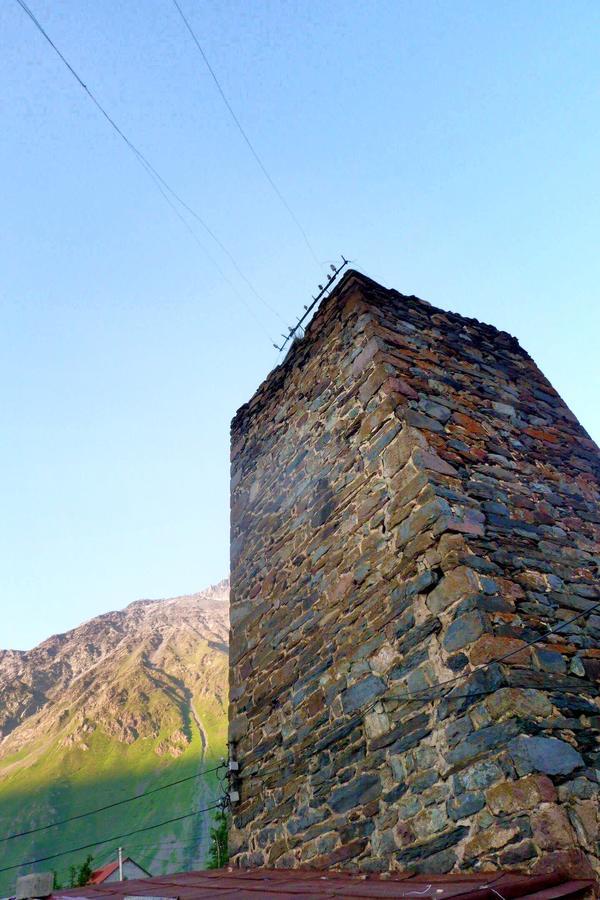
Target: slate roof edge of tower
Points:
x,y
300,347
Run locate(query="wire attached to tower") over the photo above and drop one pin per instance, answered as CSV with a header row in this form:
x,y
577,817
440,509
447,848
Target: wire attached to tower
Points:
x,y
308,309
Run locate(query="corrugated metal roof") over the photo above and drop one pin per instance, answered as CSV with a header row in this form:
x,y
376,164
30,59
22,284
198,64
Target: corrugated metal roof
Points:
x,y
297,884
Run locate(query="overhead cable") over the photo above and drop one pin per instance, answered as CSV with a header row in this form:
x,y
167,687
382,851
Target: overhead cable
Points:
x,y
157,177
112,837
417,695
166,845
242,131
99,809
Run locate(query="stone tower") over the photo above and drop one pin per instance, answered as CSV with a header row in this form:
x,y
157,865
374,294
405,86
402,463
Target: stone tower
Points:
x,y
415,608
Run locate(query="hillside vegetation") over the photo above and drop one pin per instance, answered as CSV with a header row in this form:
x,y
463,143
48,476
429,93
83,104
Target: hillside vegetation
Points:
x,y
125,703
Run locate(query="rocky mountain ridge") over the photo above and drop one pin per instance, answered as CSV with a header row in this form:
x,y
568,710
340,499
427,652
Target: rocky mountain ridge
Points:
x,y
31,680
126,701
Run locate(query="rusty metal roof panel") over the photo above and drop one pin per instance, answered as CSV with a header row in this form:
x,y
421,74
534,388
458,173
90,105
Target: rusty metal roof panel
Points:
x,y
304,884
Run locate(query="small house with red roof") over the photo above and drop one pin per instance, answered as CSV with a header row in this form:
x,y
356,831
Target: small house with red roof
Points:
x,y
110,872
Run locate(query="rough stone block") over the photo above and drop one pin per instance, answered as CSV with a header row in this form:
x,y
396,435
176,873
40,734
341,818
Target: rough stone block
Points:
x,y
492,838
361,693
401,448
424,459
517,796
463,631
477,777
427,849
515,701
549,660
482,741
422,517
459,584
355,793
544,754
465,805
489,647
551,828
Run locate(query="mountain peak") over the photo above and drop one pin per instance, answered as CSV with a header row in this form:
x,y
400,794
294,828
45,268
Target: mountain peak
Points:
x,y
127,699
32,679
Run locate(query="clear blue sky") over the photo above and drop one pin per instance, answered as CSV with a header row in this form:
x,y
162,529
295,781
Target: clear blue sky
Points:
x,y
451,150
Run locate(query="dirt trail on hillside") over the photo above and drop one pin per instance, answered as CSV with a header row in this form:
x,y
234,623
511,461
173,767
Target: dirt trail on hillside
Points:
x,y
206,796
193,853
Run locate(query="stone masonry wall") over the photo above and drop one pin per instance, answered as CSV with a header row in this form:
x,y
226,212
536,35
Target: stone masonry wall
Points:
x,y
412,501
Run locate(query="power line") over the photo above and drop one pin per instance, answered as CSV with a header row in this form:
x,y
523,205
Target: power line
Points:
x,y
113,837
160,182
242,131
179,847
164,845
195,237
92,812
421,694
425,693
173,846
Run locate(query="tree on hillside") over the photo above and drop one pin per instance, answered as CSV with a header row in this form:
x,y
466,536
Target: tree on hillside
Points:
x,y
80,875
218,854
